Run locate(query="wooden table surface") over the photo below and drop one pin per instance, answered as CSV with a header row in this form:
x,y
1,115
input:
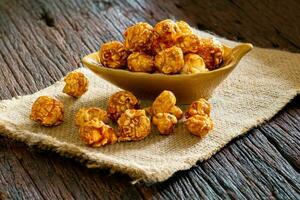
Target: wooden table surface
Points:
x,y
41,41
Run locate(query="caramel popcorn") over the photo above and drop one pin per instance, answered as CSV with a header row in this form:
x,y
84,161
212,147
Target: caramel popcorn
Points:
x,y
165,103
189,43
168,41
119,102
138,37
47,111
133,125
87,114
211,50
140,62
184,28
76,84
200,107
96,133
165,35
165,122
199,125
169,61
193,63
113,55
176,111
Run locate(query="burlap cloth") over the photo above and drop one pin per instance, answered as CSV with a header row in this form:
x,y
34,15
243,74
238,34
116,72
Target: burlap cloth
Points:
x,y
264,81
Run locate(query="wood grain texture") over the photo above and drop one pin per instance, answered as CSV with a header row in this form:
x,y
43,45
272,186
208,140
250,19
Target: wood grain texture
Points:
x,y
40,41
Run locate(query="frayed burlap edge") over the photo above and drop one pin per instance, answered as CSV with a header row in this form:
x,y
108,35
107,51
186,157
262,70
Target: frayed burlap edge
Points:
x,y
138,175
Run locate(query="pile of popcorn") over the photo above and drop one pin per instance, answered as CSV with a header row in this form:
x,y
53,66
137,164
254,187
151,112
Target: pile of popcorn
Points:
x,y
123,108
169,47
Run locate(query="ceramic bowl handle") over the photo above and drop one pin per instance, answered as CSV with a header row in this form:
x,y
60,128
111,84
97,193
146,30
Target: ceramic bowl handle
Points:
x,y
240,50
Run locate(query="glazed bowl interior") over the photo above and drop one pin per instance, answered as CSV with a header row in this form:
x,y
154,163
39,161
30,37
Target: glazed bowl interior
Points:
x,y
186,87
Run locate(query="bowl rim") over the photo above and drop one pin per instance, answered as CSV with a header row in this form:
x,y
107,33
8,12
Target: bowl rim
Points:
x,y
245,47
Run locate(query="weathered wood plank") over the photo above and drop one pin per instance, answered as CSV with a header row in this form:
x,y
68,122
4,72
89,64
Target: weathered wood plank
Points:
x,y
40,41
15,182
287,123
58,177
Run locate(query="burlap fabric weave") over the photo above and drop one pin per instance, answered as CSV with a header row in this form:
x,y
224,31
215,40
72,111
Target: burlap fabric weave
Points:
x,y
264,81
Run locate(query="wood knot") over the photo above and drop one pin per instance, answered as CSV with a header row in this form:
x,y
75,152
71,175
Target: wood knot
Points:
x,y
47,18
103,4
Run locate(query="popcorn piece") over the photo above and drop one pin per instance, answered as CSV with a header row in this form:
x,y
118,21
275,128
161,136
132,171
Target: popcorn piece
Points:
x,y
165,123
113,55
184,28
199,107
165,103
165,35
96,133
169,61
138,37
140,62
119,102
87,114
133,125
47,111
211,50
176,111
76,84
189,43
193,63
199,125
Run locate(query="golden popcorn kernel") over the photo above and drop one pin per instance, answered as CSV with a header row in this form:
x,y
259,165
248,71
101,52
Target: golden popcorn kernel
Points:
x,y
189,43
163,102
47,111
119,102
76,84
176,111
165,35
140,62
199,107
133,125
87,114
211,50
184,28
96,133
193,63
165,123
199,125
169,61
138,37
113,55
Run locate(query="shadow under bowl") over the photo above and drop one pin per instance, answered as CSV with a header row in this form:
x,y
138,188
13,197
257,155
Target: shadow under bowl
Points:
x,y
186,87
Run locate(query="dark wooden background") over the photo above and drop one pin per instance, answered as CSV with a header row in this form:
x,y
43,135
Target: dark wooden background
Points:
x,y
41,41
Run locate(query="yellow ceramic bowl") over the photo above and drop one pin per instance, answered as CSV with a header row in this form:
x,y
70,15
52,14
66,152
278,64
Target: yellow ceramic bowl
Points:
x,y
186,87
